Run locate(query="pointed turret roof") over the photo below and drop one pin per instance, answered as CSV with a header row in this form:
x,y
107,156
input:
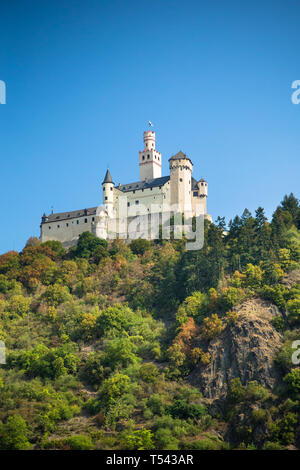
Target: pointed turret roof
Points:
x,y
180,156
107,178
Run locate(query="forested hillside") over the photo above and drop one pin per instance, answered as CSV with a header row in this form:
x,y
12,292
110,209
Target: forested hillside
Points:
x,y
148,346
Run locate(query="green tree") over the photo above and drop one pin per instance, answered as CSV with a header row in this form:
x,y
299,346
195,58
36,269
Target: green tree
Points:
x,y
14,434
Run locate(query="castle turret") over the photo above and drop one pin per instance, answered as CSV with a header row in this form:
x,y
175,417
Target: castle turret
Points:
x,y
202,188
149,158
108,193
181,168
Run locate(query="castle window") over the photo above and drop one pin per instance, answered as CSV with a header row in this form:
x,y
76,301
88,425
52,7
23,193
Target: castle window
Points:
x,y
143,157
77,221
180,179
49,227
128,204
133,191
136,202
103,189
67,225
106,198
93,219
58,226
85,221
148,156
111,189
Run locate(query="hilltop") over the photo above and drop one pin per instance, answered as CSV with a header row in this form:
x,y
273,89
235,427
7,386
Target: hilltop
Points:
x,y
146,345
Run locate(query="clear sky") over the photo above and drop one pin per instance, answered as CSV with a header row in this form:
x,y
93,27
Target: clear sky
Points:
x,y
84,77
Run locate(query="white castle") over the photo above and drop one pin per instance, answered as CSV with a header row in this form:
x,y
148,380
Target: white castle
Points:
x,y
152,195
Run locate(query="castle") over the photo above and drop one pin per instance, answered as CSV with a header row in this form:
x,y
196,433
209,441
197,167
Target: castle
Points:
x,y
152,194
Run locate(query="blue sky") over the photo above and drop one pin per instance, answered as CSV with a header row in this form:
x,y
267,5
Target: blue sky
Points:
x,y
84,77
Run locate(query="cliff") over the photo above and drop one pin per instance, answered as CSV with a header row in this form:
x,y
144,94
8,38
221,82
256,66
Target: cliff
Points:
x,y
245,349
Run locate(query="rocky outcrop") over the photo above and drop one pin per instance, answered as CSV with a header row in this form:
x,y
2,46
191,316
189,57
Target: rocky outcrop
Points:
x,y
291,278
245,349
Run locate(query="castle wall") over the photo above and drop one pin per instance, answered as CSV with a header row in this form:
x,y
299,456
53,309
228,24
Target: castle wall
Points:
x,y
144,197
66,230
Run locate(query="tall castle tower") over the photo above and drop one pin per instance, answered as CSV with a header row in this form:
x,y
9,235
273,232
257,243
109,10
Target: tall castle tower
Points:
x,y
108,194
149,158
181,169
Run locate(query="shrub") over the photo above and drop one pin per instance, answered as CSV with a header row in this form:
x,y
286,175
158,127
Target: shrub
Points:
x,y
212,327
165,440
292,379
231,318
260,416
183,410
236,392
80,442
14,434
278,323
197,354
141,439
283,430
57,294
19,305
139,246
149,372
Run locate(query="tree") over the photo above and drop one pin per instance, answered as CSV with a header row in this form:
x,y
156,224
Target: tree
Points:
x,y
88,244
139,246
19,305
14,434
291,205
56,247
212,326
80,443
292,379
142,439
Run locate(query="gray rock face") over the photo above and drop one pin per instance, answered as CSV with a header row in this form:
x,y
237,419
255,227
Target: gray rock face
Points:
x,y
245,349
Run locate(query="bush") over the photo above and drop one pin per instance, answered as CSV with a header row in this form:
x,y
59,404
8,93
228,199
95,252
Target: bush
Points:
x,y
19,305
260,416
80,442
156,403
14,434
57,294
165,440
183,410
212,327
283,430
207,443
149,372
139,246
138,440
292,379
236,392
88,244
